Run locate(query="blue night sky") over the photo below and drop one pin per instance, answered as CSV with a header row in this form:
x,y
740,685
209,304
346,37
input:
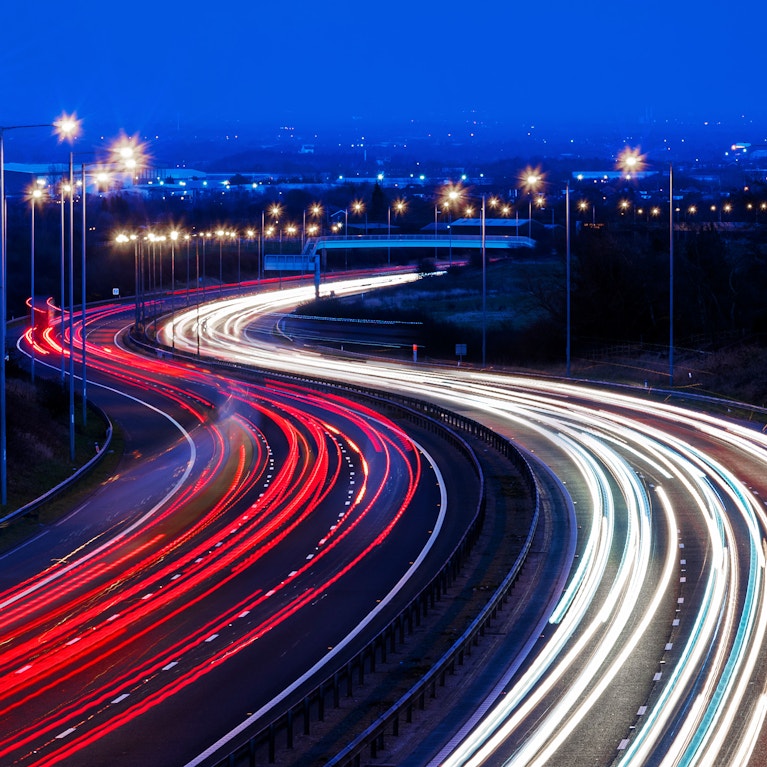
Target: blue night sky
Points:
x,y
237,63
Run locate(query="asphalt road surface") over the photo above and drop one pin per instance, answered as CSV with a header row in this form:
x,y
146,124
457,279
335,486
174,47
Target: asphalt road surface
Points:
x,y
654,647
253,535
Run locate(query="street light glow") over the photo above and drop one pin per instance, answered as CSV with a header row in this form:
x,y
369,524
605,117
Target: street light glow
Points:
x,y
67,126
129,153
631,160
531,178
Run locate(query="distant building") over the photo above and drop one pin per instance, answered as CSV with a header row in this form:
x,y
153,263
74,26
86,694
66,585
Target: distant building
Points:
x,y
608,175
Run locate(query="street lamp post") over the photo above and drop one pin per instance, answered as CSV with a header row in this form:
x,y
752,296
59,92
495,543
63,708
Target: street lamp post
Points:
x,y
71,309
484,284
220,234
399,207
631,161
454,194
531,178
671,275
359,208
62,201
35,195
567,277
261,247
315,210
197,292
188,238
127,153
84,368
239,256
66,126
122,239
173,238
436,230
204,236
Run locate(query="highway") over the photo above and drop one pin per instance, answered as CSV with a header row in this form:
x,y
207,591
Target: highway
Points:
x,y
653,651
253,533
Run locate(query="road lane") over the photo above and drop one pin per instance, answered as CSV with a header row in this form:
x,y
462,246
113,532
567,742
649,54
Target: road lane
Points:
x,y
283,502
666,601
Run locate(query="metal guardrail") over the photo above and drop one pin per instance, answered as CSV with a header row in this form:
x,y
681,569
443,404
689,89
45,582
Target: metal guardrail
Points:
x,y
313,703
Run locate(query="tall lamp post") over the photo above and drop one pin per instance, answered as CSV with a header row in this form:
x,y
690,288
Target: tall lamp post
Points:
x,y
531,179
122,239
483,250
484,283
452,195
359,208
35,194
126,156
455,193
66,126
173,238
631,161
71,309
671,274
567,277
399,206
64,190
220,234
315,210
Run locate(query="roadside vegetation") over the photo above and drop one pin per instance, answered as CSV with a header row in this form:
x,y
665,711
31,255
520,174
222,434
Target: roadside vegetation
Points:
x,y
38,444
619,311
619,301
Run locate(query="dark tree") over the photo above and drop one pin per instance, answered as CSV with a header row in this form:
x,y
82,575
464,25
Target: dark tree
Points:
x,y
378,204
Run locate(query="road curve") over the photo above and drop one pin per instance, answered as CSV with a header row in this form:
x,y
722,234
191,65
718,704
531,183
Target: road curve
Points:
x,y
654,652
237,529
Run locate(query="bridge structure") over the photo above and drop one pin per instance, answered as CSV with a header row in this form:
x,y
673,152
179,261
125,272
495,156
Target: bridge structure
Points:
x,y
309,259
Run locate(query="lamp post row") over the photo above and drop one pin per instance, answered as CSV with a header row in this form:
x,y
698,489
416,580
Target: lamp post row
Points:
x,y
66,126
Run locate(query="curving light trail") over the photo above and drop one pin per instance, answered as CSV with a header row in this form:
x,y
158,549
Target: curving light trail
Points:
x,y
266,499
663,621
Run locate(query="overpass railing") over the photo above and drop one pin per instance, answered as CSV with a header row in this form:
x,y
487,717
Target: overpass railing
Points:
x,y
416,240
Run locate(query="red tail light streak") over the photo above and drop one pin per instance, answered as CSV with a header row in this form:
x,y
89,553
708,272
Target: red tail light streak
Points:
x,y
133,614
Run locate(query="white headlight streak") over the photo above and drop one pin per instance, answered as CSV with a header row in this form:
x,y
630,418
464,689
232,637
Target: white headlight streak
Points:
x,y
645,479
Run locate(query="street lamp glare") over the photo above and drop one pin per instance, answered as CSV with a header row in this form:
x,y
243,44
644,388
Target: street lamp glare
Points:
x,y
452,193
128,152
531,178
67,126
631,160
